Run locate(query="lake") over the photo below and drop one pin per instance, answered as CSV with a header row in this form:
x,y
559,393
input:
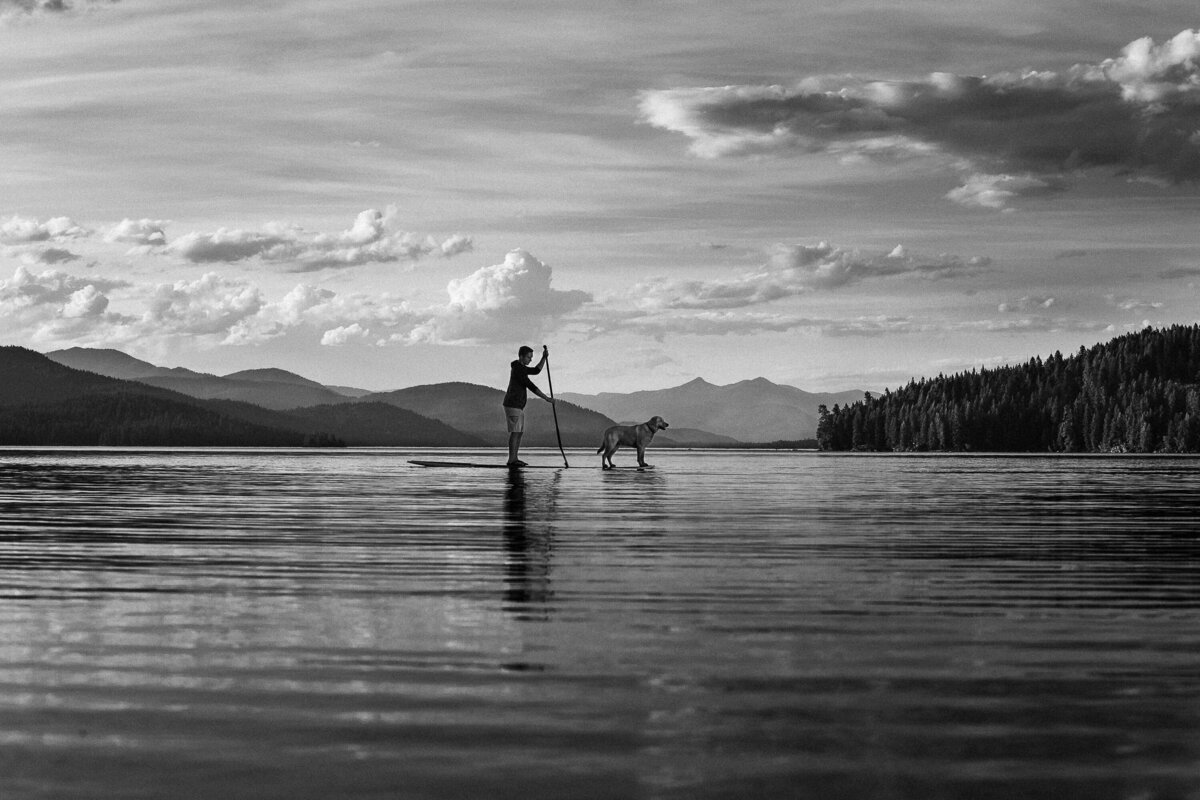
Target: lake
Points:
x,y
342,624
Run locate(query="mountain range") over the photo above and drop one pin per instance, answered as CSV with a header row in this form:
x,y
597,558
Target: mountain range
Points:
x,y
754,411
269,388
445,414
45,403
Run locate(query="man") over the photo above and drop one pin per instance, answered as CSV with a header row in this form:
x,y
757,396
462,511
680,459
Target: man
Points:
x,y
514,399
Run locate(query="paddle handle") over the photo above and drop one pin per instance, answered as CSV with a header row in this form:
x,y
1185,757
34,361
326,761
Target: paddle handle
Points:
x,y
554,407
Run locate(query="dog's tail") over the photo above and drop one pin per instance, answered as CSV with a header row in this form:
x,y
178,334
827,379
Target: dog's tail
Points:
x,y
600,449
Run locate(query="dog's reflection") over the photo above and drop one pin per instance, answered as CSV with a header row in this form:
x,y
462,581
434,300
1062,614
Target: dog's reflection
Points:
x,y
529,512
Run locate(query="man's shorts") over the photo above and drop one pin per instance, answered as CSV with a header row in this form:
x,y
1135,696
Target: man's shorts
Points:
x,y
516,419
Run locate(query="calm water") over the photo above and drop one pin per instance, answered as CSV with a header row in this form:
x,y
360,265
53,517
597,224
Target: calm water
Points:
x,y
308,624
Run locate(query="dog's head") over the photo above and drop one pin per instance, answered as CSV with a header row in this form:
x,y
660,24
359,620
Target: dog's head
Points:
x,y
657,424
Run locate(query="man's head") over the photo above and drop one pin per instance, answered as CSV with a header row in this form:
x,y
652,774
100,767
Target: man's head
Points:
x,y
525,354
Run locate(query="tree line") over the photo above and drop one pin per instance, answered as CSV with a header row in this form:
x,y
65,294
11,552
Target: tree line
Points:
x,y
132,419
1138,393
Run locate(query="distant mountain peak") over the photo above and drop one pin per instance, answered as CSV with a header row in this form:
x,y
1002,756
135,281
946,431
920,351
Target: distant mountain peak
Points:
x,y
104,361
271,375
98,352
108,350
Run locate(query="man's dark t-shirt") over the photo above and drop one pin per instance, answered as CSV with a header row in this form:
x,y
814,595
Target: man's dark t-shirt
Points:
x,y
519,385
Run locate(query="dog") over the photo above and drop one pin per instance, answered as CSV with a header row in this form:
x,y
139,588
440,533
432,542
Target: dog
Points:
x,y
630,435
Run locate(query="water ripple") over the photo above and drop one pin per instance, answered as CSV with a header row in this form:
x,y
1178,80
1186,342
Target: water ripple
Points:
x,y
342,624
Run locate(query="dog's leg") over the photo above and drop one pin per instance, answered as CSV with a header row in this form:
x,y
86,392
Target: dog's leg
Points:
x,y
606,461
641,448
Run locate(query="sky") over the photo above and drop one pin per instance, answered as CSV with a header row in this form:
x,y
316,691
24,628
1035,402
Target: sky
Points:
x,y
389,193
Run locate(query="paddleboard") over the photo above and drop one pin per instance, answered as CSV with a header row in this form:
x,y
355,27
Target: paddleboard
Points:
x,y
476,465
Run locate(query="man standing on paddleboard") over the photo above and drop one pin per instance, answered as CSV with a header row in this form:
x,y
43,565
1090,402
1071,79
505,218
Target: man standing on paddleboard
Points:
x,y
514,399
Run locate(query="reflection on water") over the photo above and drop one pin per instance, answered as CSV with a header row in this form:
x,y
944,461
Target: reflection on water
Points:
x,y
260,624
529,512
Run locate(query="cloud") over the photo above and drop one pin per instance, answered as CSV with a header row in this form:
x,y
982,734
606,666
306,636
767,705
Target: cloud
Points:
x,y
456,244
510,300
224,245
18,230
55,288
12,7
501,303
1133,304
141,232
1138,113
341,318
51,305
54,307
367,241
506,301
301,300
54,255
995,191
1025,304
710,323
86,302
344,334
14,12
207,306
745,323
797,269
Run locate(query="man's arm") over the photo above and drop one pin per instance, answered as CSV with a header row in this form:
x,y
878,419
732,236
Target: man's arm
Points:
x,y
531,386
540,364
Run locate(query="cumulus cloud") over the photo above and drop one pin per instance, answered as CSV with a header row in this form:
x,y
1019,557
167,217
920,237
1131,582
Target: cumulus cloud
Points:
x,y
151,232
344,334
797,269
368,240
20,230
510,300
502,302
207,306
28,289
1138,113
224,245
456,244
51,305
342,318
86,302
300,301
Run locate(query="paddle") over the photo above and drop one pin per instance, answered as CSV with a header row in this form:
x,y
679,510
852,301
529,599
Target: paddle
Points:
x,y
554,407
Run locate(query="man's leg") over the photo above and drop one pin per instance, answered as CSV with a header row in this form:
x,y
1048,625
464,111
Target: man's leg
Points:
x,y
514,445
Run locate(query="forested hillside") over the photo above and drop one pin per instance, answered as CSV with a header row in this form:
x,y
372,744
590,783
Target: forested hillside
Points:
x,y
130,418
1138,393
45,403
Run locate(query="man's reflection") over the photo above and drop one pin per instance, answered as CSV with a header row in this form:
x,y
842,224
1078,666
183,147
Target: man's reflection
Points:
x,y
529,507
